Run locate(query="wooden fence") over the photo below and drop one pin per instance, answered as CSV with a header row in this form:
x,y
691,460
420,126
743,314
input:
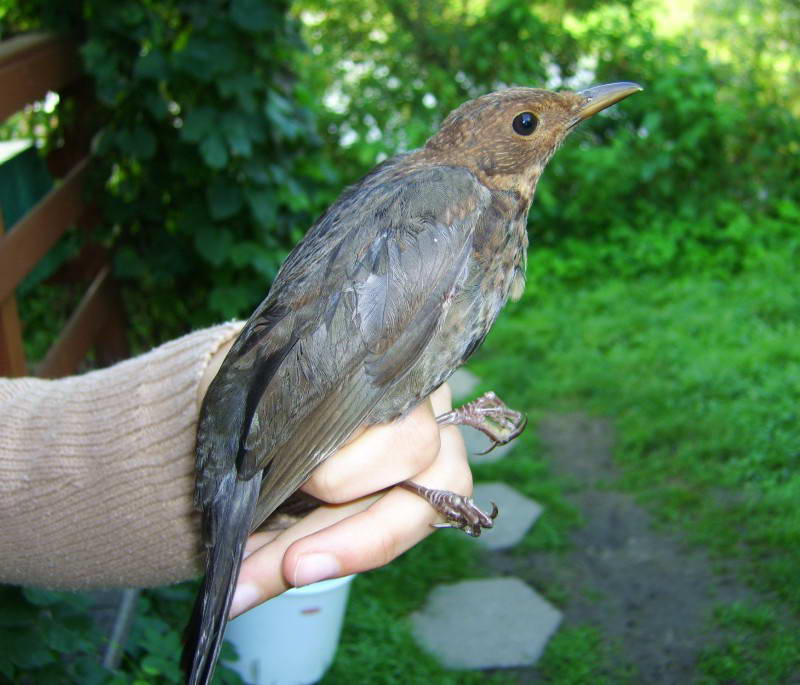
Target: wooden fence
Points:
x,y
30,67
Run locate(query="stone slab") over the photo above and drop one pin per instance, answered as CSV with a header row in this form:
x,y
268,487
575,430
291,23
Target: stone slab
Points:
x,y
517,514
492,623
463,384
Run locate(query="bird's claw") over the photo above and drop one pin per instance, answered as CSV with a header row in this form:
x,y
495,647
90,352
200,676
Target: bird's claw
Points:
x,y
459,511
490,415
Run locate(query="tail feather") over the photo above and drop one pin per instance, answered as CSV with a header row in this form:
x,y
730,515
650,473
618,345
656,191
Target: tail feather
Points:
x,y
228,521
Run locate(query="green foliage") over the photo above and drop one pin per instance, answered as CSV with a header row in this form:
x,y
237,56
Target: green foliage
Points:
x,y
701,374
700,147
200,140
38,628
577,656
756,648
195,165
49,637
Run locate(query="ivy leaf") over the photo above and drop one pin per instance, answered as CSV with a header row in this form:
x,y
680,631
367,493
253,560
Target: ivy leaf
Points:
x,y
143,143
198,124
213,151
151,66
256,171
224,199
252,15
43,598
61,639
156,106
230,300
152,665
27,650
281,115
243,87
294,196
262,205
235,129
213,243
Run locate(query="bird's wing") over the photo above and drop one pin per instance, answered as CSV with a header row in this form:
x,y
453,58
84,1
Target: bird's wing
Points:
x,y
349,315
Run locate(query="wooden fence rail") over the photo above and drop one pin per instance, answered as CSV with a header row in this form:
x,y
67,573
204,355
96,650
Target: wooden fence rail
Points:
x,y
30,67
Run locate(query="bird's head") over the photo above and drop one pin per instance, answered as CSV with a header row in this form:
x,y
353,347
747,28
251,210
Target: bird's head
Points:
x,y
506,138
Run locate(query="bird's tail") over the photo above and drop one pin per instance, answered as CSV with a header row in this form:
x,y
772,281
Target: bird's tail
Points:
x,y
229,519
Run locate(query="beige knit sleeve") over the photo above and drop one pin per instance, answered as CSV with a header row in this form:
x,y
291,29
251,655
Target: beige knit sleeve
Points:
x,y
96,471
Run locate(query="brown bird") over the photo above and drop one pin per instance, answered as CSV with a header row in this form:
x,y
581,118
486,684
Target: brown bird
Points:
x,y
392,289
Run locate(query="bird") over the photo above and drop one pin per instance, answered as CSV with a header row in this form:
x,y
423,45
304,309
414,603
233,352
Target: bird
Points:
x,y
390,290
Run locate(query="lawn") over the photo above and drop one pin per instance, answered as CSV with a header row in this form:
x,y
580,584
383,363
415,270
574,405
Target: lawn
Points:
x,y
700,372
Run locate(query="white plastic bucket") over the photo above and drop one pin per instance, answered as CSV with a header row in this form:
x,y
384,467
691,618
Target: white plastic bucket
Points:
x,y
291,639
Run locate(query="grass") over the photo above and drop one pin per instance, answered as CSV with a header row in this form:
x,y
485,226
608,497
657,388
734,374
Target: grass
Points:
x,y
756,648
702,378
377,645
701,374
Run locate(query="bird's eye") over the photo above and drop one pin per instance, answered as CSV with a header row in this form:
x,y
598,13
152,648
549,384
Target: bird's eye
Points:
x,y
525,123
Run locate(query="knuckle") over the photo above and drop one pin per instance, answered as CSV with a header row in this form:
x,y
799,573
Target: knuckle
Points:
x,y
427,441
324,484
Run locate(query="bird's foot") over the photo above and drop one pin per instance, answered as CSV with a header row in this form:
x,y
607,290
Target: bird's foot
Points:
x,y
490,415
459,511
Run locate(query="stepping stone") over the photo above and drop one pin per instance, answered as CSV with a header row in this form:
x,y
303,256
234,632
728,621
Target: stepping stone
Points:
x,y
492,623
517,514
463,384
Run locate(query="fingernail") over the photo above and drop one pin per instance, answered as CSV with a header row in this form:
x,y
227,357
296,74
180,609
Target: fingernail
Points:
x,y
312,568
245,597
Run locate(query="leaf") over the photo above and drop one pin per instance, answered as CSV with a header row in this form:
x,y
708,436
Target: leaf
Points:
x,y
152,665
199,124
213,151
16,613
143,142
27,650
151,66
213,243
156,106
229,301
61,639
252,15
262,205
224,199
236,133
256,171
279,112
294,196
44,598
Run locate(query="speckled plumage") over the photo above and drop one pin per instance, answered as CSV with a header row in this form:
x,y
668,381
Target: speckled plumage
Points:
x,y
391,290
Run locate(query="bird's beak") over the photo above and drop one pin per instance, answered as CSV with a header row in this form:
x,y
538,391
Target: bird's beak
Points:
x,y
598,98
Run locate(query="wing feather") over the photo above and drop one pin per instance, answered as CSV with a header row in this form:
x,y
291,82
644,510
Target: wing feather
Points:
x,y
358,300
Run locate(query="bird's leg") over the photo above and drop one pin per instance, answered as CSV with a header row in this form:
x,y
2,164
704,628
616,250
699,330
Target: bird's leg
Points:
x,y
490,415
459,511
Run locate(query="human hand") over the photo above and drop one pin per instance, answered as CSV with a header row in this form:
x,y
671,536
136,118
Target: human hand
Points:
x,y
367,521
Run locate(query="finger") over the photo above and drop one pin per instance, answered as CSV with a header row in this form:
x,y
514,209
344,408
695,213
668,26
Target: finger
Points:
x,y
380,457
390,526
442,400
325,538
260,577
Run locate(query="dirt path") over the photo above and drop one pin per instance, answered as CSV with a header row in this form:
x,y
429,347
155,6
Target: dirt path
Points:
x,y
645,590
